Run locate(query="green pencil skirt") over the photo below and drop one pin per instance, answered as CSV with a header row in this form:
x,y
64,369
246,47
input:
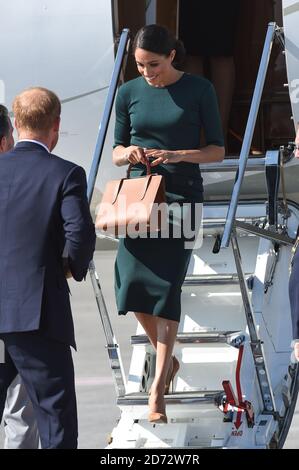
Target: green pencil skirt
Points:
x,y
149,273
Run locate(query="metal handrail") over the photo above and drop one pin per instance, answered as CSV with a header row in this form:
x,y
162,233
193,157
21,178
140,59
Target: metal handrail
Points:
x,y
232,164
112,346
257,95
121,51
272,162
256,343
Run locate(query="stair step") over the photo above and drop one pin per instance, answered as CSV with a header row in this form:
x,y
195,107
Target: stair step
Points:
x,y
232,338
202,397
205,279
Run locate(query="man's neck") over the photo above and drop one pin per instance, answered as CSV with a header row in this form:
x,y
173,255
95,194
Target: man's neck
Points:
x,y
38,138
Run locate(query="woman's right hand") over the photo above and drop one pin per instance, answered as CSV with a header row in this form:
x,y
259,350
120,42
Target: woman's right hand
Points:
x,y
135,154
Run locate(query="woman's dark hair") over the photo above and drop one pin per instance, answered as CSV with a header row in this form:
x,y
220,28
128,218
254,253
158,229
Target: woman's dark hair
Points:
x,y
159,40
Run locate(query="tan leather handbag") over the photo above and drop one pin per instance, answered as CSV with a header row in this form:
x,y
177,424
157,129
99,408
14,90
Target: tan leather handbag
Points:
x,y
131,206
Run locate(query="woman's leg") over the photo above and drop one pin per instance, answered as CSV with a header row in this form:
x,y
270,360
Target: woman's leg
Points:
x,y
149,324
166,336
162,335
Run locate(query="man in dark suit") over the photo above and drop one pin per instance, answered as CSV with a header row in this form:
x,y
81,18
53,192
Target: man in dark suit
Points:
x,y
43,209
20,425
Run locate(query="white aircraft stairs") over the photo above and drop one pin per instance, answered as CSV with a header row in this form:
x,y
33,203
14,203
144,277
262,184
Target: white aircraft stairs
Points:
x,y
236,386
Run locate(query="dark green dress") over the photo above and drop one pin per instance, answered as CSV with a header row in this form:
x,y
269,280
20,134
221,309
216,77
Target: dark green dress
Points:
x,y
149,273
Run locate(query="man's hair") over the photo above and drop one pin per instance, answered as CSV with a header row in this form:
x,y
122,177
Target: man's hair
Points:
x,y
4,122
36,109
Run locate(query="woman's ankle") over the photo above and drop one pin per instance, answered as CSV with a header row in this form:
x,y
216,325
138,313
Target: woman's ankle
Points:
x,y
156,400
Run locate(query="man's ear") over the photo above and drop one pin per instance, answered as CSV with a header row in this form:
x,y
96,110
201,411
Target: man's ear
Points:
x,y
2,143
56,124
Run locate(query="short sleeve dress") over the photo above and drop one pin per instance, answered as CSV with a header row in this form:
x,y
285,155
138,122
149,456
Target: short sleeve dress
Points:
x,y
149,272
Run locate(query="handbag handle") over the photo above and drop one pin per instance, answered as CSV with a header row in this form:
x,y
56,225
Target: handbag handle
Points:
x,y
147,164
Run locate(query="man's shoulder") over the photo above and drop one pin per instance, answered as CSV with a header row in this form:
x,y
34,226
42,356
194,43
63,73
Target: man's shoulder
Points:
x,y
42,161
62,163
6,155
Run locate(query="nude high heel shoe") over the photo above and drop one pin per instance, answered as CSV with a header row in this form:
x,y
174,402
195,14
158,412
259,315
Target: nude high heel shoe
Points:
x,y
171,374
157,418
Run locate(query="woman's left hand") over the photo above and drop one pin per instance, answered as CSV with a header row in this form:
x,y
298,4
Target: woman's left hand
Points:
x,y
163,156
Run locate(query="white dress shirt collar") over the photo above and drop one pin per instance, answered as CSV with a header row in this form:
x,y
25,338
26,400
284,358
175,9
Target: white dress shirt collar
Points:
x,y
35,142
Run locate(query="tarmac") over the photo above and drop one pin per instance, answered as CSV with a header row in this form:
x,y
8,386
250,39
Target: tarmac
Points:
x,y
97,410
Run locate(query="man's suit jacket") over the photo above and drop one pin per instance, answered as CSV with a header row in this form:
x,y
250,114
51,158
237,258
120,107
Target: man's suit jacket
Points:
x,y
43,206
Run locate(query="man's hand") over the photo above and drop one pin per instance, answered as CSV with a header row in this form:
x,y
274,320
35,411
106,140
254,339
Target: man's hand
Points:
x,y
296,350
68,274
66,268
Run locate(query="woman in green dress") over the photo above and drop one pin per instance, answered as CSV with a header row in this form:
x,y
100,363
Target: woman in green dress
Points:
x,y
159,117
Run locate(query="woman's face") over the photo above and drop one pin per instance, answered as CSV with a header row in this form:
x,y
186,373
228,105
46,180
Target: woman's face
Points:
x,y
155,68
